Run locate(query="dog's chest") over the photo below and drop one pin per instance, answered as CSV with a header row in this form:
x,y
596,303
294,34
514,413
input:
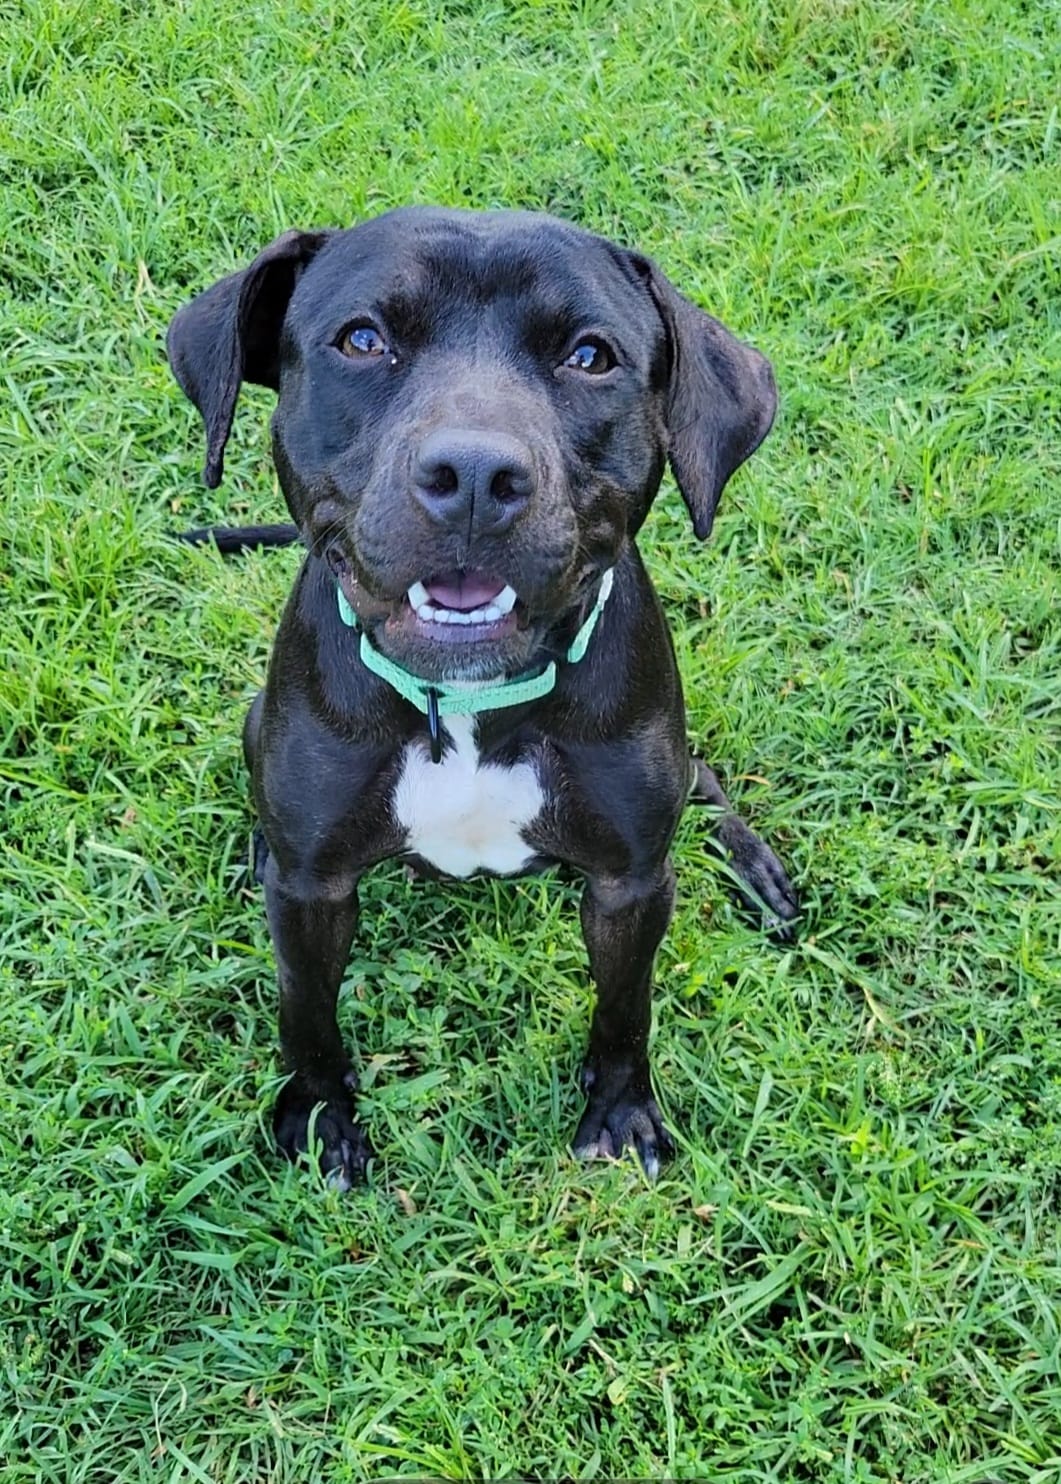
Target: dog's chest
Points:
x,y
462,816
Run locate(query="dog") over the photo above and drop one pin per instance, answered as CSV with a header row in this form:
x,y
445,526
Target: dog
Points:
x,y
473,672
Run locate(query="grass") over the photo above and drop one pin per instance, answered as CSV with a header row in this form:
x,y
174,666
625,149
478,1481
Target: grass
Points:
x,y
851,1271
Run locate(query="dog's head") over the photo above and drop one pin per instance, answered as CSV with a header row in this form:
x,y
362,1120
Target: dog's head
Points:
x,y
474,414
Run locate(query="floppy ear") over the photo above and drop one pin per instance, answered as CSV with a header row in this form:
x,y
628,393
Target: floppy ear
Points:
x,y
231,334
721,402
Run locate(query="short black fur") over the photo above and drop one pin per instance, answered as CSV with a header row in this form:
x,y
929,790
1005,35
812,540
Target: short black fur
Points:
x,y
473,442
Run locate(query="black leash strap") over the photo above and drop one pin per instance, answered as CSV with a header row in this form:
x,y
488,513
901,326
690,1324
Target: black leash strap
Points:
x,y
432,724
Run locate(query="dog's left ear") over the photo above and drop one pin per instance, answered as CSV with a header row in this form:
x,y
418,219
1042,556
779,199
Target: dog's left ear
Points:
x,y
721,403
231,334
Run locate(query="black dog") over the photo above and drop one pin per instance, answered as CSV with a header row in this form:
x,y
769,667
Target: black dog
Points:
x,y
473,672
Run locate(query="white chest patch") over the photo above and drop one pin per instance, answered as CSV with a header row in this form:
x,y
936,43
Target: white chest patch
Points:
x,y
463,817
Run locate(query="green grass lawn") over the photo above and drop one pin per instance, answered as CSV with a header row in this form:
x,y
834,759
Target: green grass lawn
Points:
x,y
851,1271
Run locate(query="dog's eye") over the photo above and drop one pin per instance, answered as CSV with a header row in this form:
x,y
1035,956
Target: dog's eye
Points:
x,y
362,340
591,356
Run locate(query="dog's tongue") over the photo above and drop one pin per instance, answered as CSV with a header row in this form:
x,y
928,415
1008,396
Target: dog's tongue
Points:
x,y
463,591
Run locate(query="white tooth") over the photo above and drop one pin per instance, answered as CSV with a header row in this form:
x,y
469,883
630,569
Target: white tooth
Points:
x,y
505,600
427,613
443,615
475,615
418,596
464,618
490,614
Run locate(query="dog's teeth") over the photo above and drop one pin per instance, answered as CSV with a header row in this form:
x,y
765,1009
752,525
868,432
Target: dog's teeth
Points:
x,y
505,601
428,613
418,597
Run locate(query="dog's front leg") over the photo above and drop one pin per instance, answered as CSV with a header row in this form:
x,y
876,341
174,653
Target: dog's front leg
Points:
x,y
623,923
312,922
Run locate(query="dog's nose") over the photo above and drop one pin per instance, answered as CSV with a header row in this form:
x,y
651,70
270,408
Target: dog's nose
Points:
x,y
471,479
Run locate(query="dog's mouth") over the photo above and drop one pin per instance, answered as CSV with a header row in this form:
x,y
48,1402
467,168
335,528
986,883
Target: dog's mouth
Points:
x,y
459,608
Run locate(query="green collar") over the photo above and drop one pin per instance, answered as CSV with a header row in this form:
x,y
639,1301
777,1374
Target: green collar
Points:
x,y
468,698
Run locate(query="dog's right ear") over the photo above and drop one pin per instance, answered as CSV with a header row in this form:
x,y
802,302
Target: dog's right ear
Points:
x,y
721,402
231,334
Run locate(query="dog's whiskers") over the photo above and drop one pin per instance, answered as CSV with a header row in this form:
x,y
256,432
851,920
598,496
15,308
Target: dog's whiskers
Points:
x,y
319,544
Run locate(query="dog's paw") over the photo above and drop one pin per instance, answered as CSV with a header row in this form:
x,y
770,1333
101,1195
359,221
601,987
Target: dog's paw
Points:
x,y
622,1114
344,1146
759,879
